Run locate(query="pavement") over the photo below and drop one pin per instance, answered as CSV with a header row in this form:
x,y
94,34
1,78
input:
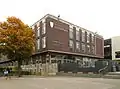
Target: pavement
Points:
x,y
59,83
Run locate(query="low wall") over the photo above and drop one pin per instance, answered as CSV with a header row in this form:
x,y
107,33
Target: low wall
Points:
x,y
41,69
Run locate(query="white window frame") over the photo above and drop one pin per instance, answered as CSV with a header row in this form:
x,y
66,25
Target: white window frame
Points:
x,y
71,45
33,27
38,44
44,42
88,37
93,49
83,35
77,34
78,46
38,24
38,31
43,26
71,31
93,38
83,47
88,47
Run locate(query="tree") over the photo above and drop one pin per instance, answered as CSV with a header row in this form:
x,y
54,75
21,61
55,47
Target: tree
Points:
x,y
17,40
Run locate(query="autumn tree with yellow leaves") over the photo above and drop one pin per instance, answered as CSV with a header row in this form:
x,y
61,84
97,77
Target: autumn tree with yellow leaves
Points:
x,y
16,40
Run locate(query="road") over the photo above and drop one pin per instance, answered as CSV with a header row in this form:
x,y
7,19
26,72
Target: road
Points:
x,y
59,83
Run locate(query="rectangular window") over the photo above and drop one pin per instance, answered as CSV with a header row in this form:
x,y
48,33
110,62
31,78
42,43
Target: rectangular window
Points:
x,y
43,27
117,54
87,62
71,44
44,42
33,27
88,48
83,47
92,38
77,34
38,24
38,31
88,37
71,32
83,36
38,44
93,50
78,46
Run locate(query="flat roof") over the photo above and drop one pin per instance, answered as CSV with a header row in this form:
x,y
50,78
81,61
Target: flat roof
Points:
x,y
64,21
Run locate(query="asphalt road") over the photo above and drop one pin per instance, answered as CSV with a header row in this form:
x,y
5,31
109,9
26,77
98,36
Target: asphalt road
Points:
x,y
59,83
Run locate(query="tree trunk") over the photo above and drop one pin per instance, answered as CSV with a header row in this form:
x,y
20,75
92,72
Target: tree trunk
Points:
x,y
19,67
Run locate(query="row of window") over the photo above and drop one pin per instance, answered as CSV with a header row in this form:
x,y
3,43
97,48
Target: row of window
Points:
x,y
39,28
71,35
81,61
71,45
43,32
43,43
43,28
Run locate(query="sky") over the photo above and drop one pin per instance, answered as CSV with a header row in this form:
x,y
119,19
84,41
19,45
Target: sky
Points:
x,y
101,16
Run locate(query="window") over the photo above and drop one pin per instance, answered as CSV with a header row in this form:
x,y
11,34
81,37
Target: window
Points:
x,y
38,31
78,46
87,62
93,50
33,27
88,37
71,32
43,42
38,44
88,48
92,38
38,24
43,27
83,47
77,34
83,36
51,24
71,44
117,54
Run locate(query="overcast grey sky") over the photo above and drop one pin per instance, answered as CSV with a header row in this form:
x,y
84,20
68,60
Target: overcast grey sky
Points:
x,y
102,16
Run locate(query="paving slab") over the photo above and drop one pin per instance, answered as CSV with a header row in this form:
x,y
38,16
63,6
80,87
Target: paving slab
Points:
x,y
59,83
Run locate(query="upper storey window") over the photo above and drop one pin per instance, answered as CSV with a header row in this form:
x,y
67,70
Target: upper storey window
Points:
x,y
43,26
88,37
71,32
83,35
77,34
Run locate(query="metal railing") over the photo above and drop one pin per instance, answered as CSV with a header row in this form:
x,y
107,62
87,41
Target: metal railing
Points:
x,y
103,70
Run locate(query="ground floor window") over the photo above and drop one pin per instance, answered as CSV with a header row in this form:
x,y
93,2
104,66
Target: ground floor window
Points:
x,y
88,62
84,62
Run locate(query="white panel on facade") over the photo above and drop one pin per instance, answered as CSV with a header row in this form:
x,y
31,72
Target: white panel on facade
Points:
x,y
115,47
77,28
43,21
33,27
71,26
38,24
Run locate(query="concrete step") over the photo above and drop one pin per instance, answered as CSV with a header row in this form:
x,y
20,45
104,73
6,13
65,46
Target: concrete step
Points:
x,y
112,75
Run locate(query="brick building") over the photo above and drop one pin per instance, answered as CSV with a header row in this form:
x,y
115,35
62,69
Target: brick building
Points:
x,y
59,41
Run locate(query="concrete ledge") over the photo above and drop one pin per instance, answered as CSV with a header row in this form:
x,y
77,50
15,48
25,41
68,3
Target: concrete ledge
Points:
x,y
79,72
51,74
70,72
90,73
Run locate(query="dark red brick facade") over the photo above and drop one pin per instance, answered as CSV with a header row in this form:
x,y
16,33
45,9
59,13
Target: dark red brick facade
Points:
x,y
57,39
